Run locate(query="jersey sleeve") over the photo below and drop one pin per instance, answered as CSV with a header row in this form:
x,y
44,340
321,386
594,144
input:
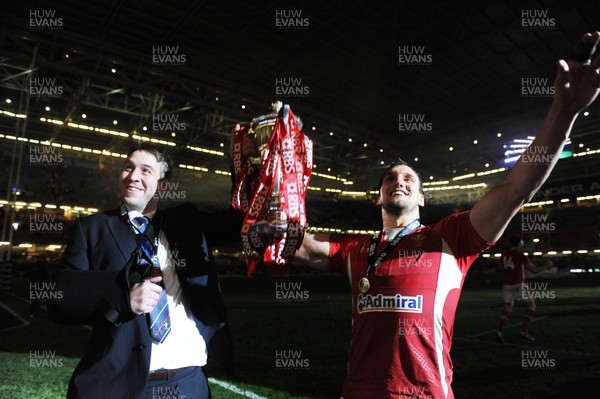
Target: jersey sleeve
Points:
x,y
336,260
460,235
339,250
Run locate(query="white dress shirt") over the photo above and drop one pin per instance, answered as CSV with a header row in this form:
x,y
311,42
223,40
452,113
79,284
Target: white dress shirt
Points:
x,y
184,346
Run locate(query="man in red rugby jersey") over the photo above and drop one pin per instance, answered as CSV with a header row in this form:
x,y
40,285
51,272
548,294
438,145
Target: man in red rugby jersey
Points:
x,y
406,280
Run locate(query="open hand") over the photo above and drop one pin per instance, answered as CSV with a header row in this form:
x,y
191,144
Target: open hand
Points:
x,y
577,82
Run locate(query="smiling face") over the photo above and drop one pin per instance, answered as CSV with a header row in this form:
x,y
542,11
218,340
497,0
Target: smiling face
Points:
x,y
139,181
400,191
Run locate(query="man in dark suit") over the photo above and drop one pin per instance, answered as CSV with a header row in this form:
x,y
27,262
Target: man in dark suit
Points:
x,y
102,282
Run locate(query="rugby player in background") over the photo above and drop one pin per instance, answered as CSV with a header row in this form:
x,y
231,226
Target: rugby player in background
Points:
x,y
514,262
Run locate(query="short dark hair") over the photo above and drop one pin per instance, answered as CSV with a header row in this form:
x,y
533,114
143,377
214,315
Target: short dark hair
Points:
x,y
395,163
160,154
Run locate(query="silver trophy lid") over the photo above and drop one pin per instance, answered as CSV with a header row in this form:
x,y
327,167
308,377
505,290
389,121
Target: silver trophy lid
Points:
x,y
270,118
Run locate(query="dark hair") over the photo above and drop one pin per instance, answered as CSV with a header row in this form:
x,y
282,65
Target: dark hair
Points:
x,y
397,162
160,155
515,241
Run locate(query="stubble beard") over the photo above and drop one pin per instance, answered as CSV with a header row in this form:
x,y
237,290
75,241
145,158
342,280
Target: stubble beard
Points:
x,y
394,209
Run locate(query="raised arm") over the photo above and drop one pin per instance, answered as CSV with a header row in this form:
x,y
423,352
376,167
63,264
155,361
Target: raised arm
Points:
x,y
576,85
315,250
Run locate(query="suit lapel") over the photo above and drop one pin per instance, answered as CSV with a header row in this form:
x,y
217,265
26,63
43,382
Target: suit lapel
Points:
x,y
122,235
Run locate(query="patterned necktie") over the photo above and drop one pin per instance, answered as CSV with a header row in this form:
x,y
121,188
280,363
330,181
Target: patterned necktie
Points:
x,y
159,320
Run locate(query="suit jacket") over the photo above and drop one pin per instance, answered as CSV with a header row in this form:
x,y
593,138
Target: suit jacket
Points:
x,y
94,280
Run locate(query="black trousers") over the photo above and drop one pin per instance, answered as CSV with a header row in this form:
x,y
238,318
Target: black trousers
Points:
x,y
189,383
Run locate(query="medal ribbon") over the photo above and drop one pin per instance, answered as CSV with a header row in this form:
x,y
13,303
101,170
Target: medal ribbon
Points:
x,y
373,263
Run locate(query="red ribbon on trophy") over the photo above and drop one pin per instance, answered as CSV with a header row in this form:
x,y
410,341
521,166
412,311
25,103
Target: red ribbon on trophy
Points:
x,y
273,198
245,176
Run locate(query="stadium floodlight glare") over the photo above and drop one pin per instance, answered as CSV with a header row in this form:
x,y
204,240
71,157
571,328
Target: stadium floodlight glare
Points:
x,y
518,146
464,176
192,167
576,270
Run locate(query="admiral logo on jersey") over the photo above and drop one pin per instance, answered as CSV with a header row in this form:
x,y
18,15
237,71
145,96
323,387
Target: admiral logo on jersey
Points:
x,y
393,303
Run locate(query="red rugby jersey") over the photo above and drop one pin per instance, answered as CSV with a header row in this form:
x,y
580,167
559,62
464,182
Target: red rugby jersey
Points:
x,y
513,263
402,327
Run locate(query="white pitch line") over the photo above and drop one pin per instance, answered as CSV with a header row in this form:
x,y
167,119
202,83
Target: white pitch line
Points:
x,y
508,326
21,319
235,389
20,298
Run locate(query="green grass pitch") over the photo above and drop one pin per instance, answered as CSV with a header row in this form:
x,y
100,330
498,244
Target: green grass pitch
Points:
x,y
315,326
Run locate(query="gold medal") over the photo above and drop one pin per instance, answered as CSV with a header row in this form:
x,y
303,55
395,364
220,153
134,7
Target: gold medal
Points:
x,y
364,285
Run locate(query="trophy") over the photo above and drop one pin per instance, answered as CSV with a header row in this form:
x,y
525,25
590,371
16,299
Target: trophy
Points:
x,y
270,189
260,130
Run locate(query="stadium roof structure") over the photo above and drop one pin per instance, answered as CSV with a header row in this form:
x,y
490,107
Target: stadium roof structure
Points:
x,y
431,82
